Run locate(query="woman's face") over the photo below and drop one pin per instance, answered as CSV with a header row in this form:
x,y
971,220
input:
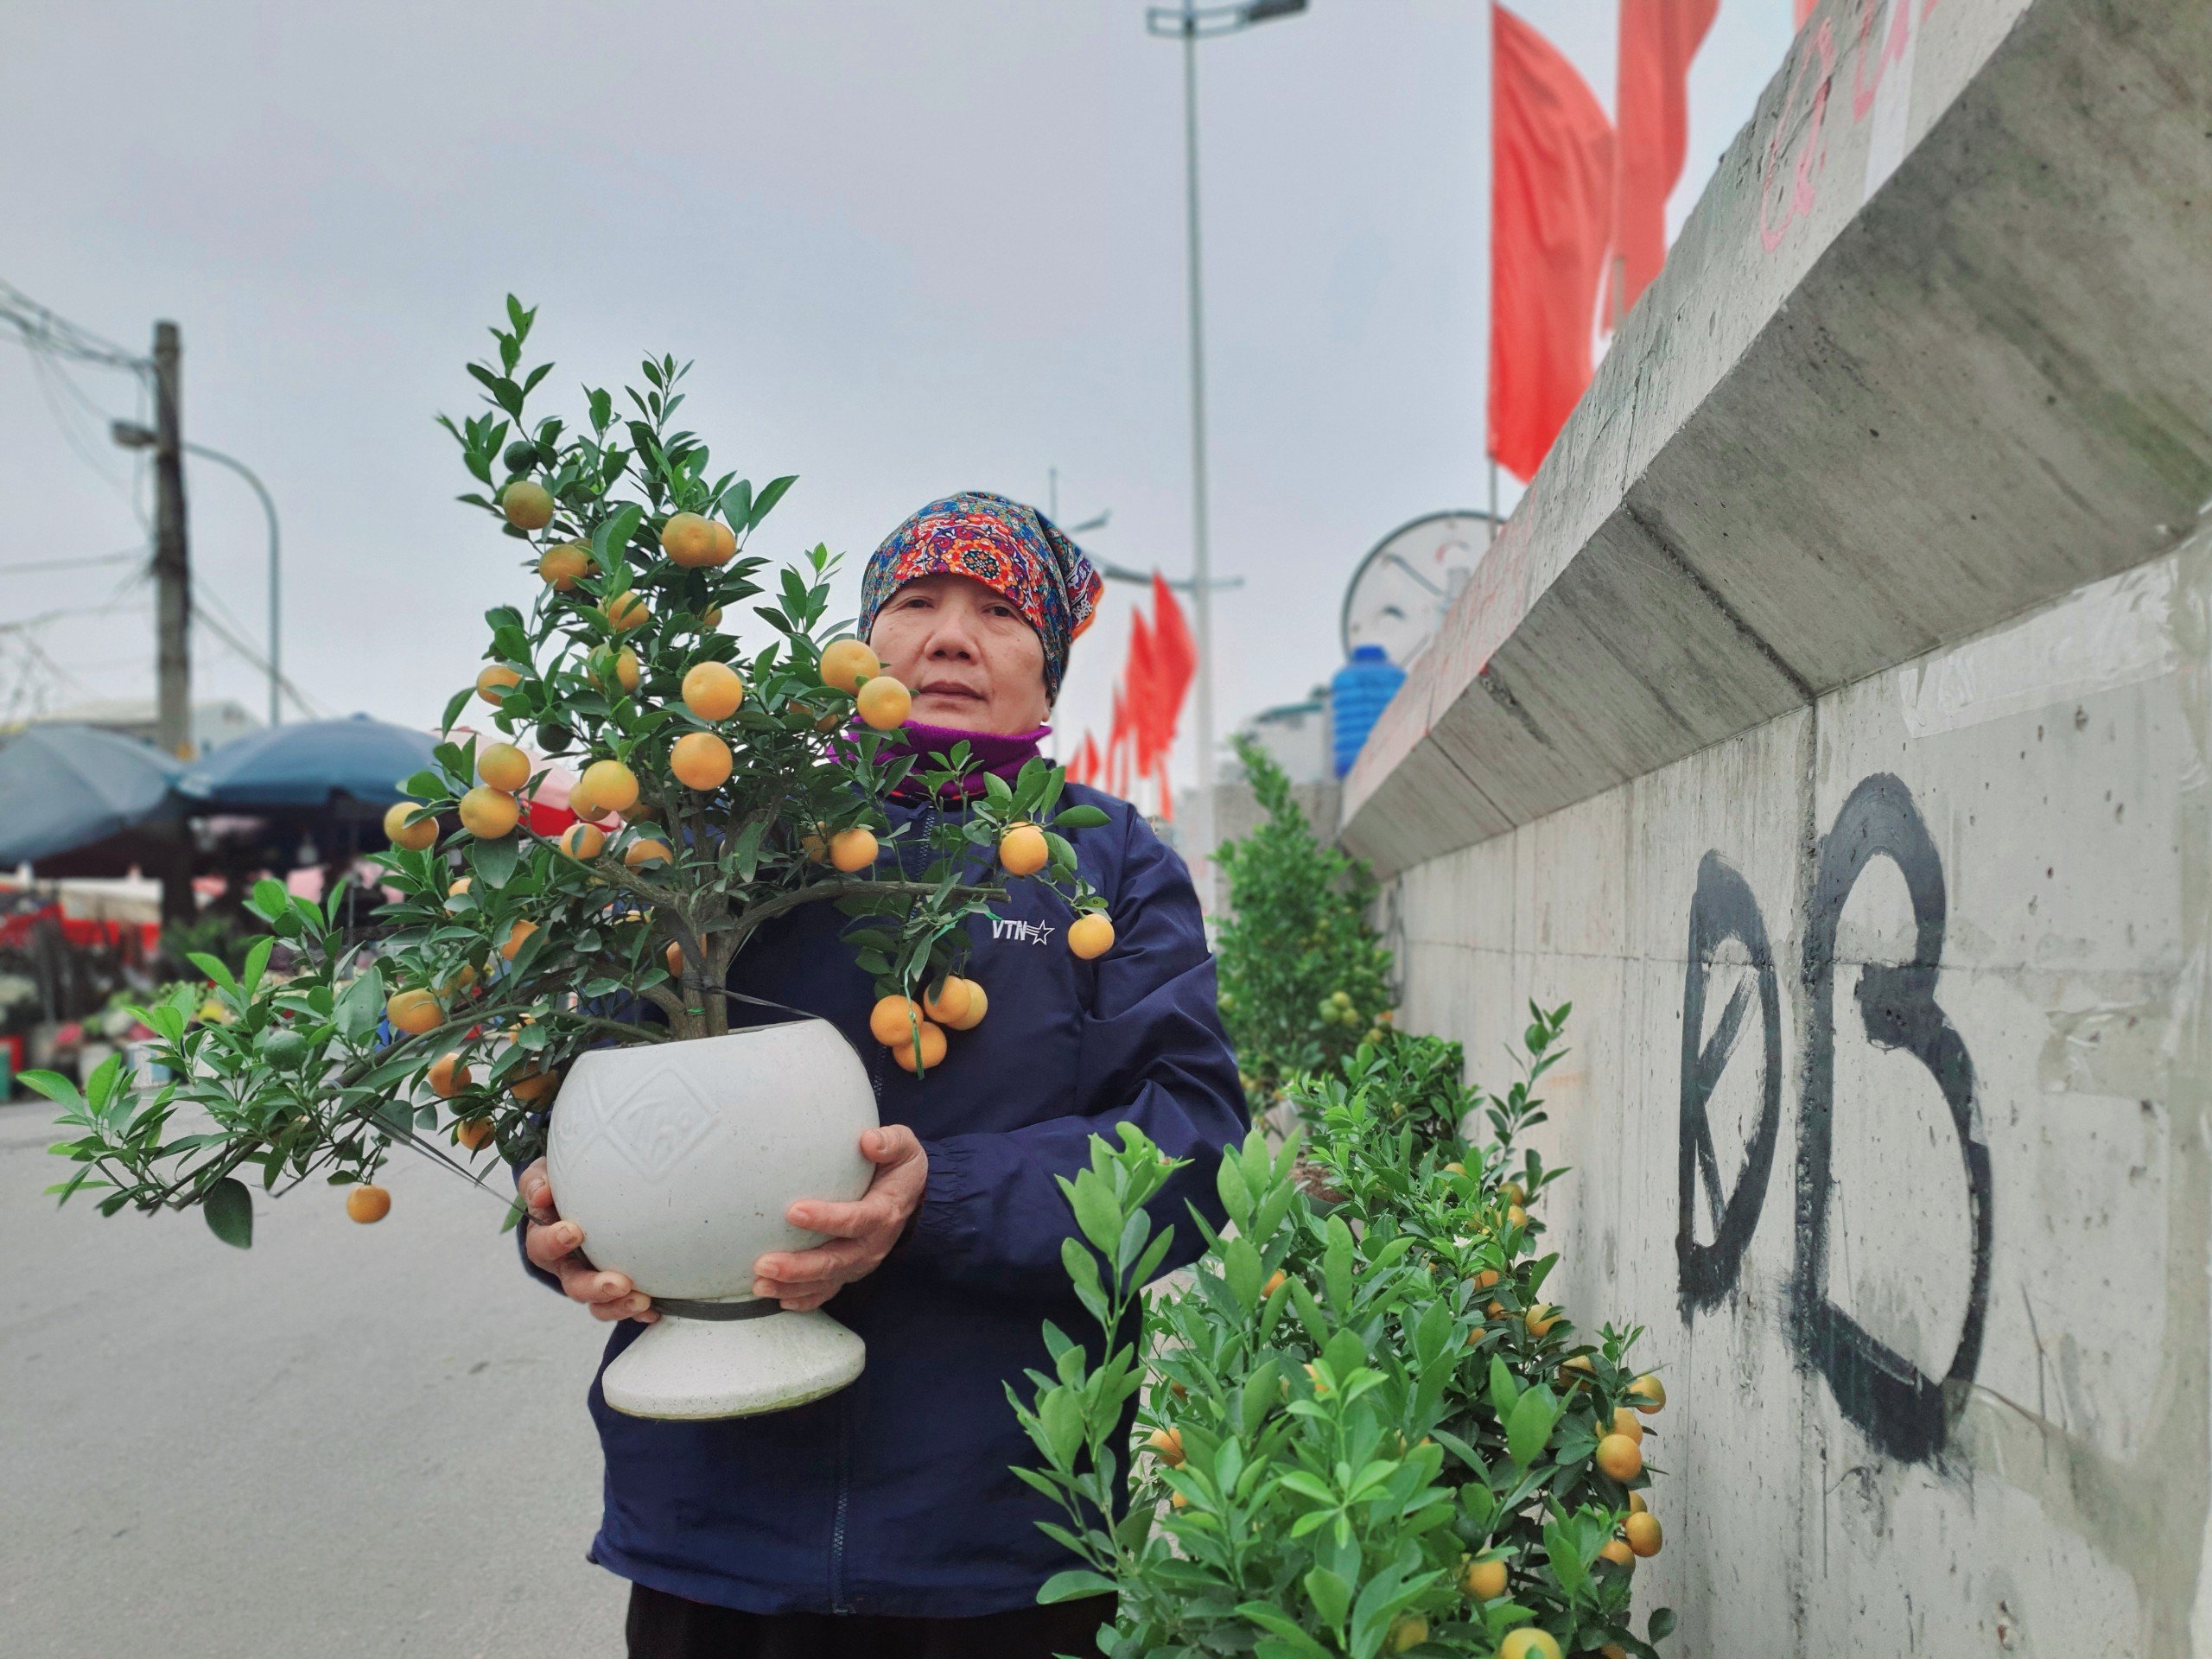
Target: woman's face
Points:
x,y
967,655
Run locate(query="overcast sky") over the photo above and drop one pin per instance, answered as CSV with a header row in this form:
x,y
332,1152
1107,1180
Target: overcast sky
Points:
x,y
912,247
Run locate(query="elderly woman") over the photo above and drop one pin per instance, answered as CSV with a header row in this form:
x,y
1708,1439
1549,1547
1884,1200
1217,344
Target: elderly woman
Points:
x,y
883,1519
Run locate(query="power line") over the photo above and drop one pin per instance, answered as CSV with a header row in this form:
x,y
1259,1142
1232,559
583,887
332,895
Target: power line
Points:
x,y
252,658
32,567
223,622
38,330
59,613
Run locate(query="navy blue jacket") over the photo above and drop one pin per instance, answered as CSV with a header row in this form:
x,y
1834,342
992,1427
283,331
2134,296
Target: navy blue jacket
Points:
x,y
893,1497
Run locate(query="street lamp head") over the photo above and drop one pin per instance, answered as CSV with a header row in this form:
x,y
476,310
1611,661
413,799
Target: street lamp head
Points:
x,y
130,435
1204,22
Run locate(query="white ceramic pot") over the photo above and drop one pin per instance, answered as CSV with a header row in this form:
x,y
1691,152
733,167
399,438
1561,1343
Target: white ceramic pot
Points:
x,y
678,1159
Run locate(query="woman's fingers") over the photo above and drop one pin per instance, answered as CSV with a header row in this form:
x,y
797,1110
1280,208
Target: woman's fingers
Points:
x,y
547,1246
536,1191
588,1284
891,1143
554,1246
838,1261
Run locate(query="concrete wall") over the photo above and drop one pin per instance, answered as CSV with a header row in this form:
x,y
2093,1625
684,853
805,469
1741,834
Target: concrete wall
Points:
x,y
1830,725
1888,1114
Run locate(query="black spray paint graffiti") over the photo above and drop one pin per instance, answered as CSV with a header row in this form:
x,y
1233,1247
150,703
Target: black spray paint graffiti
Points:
x,y
1905,1413
1722,909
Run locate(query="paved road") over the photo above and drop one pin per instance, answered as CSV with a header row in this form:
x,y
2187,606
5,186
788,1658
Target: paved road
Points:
x,y
348,1440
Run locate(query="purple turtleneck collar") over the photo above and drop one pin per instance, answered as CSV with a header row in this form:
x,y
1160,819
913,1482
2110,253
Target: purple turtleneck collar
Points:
x,y
1003,752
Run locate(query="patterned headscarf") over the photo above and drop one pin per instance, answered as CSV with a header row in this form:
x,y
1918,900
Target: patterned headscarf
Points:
x,y
1012,550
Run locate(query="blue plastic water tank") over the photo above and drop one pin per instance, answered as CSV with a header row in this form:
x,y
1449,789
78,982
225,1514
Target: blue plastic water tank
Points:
x,y
1358,696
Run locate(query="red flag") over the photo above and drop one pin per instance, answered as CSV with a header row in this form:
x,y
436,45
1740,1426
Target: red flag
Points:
x,y
1551,213
1658,39
1804,9
1175,656
1117,748
1140,681
1084,769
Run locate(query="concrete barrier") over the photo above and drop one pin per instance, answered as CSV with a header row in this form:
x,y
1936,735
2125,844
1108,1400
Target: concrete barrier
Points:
x,y
1834,727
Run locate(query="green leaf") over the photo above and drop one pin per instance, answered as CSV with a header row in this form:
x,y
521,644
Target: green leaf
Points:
x,y
1082,1267
1259,1395
1244,1271
1275,1621
214,969
1459,1449
612,540
1503,1391
747,853
1330,1595
1336,1266
229,1209
1081,817
1059,1411
1135,1230
1075,1581
1096,1212
270,899
1530,1425
767,498
359,1006
55,1087
1573,1572
495,859
1345,1353
1308,1310
1308,1485
1236,1196
1662,1624
1148,1266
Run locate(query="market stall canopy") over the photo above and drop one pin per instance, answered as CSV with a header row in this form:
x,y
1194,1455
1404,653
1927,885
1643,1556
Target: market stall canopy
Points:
x,y
69,786
316,764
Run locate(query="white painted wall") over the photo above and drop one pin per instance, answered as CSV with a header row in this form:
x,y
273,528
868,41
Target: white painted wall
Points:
x,y
2059,767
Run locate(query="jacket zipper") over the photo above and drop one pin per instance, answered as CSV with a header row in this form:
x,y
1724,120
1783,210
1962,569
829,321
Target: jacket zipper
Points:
x,y
838,1602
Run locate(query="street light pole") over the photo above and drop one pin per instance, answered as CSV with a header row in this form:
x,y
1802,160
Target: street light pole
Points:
x,y
131,436
275,570
1201,550
1193,23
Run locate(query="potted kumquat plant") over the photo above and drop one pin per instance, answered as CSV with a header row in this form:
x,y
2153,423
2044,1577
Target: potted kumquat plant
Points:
x,y
721,787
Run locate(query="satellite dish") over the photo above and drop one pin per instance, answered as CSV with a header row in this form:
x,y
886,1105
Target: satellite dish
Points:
x,y
1397,597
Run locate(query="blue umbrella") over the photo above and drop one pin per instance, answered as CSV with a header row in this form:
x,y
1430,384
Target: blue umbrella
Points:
x,y
311,764
69,786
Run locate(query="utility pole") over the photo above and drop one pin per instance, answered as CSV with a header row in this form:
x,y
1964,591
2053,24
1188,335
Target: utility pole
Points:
x,y
1201,853
172,611
1191,22
172,558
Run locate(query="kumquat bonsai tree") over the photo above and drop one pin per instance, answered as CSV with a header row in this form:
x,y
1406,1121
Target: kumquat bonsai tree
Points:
x,y
1304,978
722,784
1358,1428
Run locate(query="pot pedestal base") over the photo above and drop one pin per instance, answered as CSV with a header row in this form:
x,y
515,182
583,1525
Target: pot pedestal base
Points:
x,y
691,1369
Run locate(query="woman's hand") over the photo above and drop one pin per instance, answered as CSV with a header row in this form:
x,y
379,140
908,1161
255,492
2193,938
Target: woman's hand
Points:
x,y
861,1234
557,1246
